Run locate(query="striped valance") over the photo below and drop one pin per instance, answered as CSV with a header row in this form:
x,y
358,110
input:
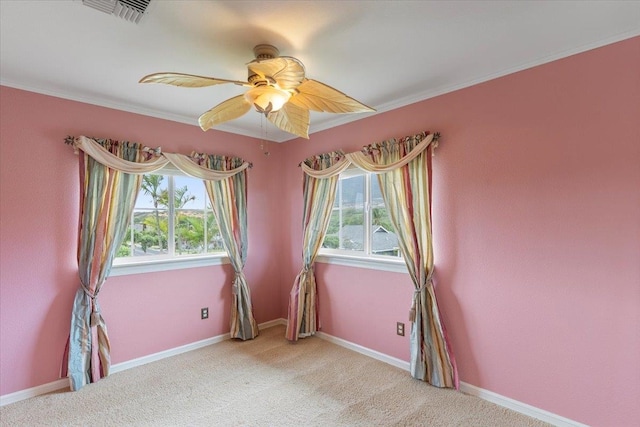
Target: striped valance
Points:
x,y
154,161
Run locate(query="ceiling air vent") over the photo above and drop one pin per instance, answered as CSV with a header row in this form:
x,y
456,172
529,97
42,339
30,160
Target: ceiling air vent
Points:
x,y
130,10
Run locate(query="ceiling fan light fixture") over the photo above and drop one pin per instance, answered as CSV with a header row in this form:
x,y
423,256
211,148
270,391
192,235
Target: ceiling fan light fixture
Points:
x,y
267,99
278,90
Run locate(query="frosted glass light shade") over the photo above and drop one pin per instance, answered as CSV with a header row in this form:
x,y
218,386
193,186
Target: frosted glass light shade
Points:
x,y
267,98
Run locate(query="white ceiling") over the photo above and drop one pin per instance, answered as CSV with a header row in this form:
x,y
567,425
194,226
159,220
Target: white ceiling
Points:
x,y
386,54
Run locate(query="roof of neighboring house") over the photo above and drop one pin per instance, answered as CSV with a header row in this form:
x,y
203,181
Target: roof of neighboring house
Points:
x,y
383,239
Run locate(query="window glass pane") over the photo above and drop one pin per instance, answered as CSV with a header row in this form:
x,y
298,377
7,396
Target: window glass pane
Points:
x,y
151,217
195,230
189,193
360,223
188,204
213,234
346,227
150,230
125,248
384,241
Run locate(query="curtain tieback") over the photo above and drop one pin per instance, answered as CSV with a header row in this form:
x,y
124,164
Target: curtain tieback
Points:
x,y
304,272
234,287
236,280
416,295
92,296
95,318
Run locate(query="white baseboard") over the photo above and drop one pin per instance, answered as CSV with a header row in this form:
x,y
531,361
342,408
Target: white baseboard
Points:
x,y
523,408
123,366
34,391
472,390
398,363
64,382
271,323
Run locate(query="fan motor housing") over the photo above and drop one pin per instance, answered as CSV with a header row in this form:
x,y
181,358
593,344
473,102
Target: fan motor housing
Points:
x,y
265,51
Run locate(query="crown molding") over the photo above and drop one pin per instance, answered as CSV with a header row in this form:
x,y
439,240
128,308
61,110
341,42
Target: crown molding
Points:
x,y
340,119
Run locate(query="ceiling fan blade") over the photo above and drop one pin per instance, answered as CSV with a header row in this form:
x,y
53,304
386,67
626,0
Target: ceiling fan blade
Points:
x,y
187,80
318,96
286,71
291,118
228,110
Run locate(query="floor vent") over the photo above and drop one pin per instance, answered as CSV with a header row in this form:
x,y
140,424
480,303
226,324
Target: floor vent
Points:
x,y
130,10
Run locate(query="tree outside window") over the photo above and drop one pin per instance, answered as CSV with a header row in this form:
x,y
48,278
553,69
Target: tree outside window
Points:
x,y
172,218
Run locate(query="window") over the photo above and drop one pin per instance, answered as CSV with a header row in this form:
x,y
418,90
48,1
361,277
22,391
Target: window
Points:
x,y
360,226
172,222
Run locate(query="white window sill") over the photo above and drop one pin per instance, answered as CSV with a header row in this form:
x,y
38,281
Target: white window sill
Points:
x,y
394,265
150,266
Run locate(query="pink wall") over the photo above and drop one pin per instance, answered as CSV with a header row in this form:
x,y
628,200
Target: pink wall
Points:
x,y
145,313
536,222
537,235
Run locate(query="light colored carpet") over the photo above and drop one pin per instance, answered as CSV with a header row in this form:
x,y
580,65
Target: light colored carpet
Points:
x,y
264,382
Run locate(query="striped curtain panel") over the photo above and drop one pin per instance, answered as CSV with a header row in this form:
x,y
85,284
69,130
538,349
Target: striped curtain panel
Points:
x,y
319,195
406,193
229,201
107,199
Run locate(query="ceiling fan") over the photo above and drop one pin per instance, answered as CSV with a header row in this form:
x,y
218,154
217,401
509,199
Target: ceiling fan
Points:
x,y
278,89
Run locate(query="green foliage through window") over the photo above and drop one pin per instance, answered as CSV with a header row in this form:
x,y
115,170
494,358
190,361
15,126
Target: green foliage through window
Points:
x,y
172,217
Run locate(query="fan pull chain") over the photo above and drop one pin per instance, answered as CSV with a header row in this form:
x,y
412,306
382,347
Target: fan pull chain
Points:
x,y
263,131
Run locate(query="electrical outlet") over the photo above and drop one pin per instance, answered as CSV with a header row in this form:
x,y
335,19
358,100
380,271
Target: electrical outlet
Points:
x,y
204,313
400,329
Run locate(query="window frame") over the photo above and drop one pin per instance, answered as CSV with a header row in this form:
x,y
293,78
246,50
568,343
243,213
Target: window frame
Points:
x,y
365,258
153,263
